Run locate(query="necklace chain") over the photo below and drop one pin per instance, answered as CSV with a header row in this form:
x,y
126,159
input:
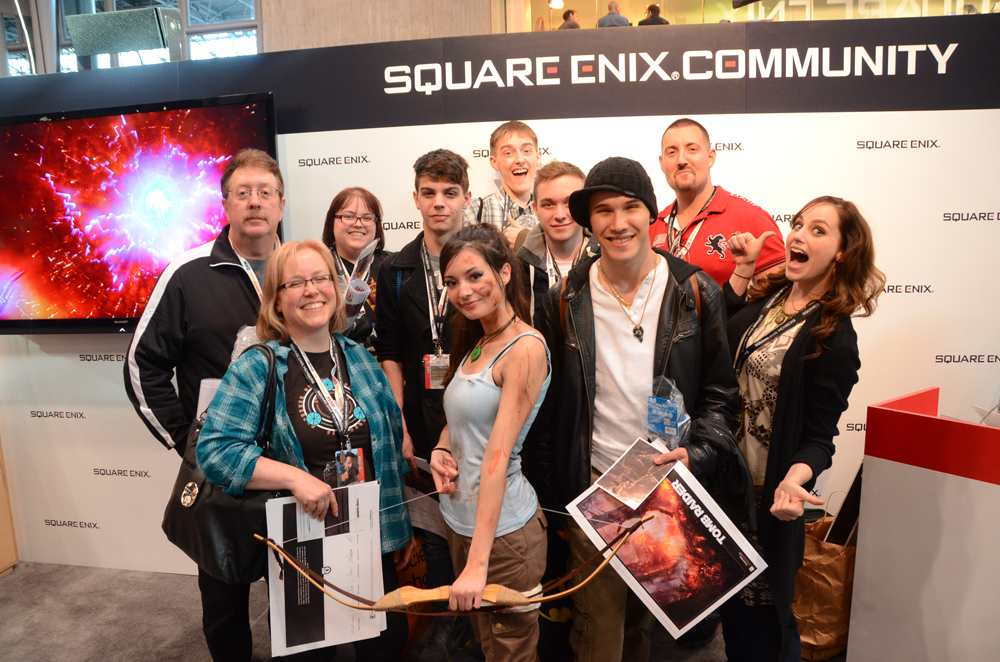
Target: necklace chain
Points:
x,y
780,316
477,351
637,330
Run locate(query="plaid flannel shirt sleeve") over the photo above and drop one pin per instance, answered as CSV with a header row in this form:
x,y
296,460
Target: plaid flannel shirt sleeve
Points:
x,y
227,453
385,421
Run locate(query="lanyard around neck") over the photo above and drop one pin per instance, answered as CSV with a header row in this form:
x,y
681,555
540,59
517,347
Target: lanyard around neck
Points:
x,y
249,269
674,240
552,269
437,300
336,404
776,299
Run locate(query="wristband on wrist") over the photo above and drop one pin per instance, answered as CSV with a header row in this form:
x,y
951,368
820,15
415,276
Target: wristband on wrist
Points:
x,y
742,276
441,448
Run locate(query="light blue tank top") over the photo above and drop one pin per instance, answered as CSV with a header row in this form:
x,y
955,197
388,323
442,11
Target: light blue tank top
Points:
x,y
470,405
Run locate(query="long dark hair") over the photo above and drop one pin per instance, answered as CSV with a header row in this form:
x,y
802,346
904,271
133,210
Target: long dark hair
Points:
x,y
343,199
491,245
856,283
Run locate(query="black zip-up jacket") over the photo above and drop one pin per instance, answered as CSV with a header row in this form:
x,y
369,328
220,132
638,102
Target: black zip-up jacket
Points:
x,y
692,350
403,334
200,302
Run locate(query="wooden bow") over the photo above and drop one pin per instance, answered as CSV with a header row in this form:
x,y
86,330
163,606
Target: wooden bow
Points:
x,y
408,599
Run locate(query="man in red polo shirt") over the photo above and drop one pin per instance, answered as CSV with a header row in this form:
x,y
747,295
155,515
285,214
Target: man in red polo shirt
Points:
x,y
697,226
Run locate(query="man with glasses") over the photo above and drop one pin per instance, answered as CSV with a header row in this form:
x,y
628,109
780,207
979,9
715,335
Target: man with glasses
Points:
x,y
199,304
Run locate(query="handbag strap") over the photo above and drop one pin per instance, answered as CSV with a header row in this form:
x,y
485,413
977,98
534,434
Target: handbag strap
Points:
x,y
265,423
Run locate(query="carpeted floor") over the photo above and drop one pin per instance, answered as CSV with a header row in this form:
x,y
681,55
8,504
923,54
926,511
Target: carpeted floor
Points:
x,y
60,613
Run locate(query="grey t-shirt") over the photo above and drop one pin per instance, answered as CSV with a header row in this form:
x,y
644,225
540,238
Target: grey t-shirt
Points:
x,y
436,267
258,267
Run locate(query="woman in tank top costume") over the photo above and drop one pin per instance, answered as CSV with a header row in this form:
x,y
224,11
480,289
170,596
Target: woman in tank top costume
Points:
x,y
497,378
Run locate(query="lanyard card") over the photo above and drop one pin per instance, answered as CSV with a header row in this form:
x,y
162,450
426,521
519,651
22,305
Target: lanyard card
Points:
x,y
435,369
347,469
668,421
663,416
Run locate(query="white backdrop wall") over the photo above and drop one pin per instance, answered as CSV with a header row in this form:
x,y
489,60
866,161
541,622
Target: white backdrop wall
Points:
x,y
779,161
89,483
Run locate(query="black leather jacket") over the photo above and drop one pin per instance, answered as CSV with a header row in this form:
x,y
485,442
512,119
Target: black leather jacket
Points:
x,y
690,349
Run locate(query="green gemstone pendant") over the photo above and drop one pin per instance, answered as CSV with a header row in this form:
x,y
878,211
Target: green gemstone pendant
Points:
x,y
476,353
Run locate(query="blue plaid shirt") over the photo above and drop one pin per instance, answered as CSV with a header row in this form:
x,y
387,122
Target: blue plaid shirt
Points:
x,y
227,454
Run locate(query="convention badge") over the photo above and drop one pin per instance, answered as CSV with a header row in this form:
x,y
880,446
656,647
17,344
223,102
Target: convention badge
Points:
x,y
664,414
435,369
347,469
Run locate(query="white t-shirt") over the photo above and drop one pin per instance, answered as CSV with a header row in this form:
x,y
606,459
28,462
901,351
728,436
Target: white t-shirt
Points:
x,y
624,365
564,267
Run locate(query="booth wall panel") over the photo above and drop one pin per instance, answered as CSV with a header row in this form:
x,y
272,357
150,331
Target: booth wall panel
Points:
x,y
926,577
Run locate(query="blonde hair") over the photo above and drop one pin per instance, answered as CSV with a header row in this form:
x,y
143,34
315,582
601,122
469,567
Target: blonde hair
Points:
x,y
271,323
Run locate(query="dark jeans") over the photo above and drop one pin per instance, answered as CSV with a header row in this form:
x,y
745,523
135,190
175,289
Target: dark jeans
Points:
x,y
226,623
225,618
437,556
753,634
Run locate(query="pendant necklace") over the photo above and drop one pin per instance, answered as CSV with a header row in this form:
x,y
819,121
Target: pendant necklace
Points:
x,y
780,316
478,349
637,330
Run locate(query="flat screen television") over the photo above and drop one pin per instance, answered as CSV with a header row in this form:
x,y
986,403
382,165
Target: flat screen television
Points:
x,y
96,204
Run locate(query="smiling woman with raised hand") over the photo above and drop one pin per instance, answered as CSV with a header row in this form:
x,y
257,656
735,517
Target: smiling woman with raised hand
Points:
x,y
796,357
332,402
497,378
353,221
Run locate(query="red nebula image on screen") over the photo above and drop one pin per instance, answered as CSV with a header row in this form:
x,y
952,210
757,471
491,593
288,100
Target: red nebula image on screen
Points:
x,y
94,209
680,567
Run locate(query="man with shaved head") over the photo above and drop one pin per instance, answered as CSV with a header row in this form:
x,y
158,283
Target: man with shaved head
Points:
x,y
614,19
697,226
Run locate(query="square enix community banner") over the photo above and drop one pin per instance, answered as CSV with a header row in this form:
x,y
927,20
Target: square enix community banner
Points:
x,y
899,116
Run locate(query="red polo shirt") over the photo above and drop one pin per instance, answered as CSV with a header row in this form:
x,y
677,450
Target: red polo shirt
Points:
x,y
707,235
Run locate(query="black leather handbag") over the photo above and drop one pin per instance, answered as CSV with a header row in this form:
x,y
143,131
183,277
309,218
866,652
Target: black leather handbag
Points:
x,y
216,529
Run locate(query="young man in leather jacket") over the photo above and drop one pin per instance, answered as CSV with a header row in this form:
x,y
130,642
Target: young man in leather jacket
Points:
x,y
616,322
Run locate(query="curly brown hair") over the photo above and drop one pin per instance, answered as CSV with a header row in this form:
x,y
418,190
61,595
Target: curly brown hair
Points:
x,y
856,282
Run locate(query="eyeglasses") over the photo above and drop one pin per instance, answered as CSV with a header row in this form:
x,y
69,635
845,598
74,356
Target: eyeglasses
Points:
x,y
317,281
349,218
265,193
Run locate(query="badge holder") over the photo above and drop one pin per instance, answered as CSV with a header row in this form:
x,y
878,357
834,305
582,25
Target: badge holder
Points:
x,y
338,474
668,422
435,369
